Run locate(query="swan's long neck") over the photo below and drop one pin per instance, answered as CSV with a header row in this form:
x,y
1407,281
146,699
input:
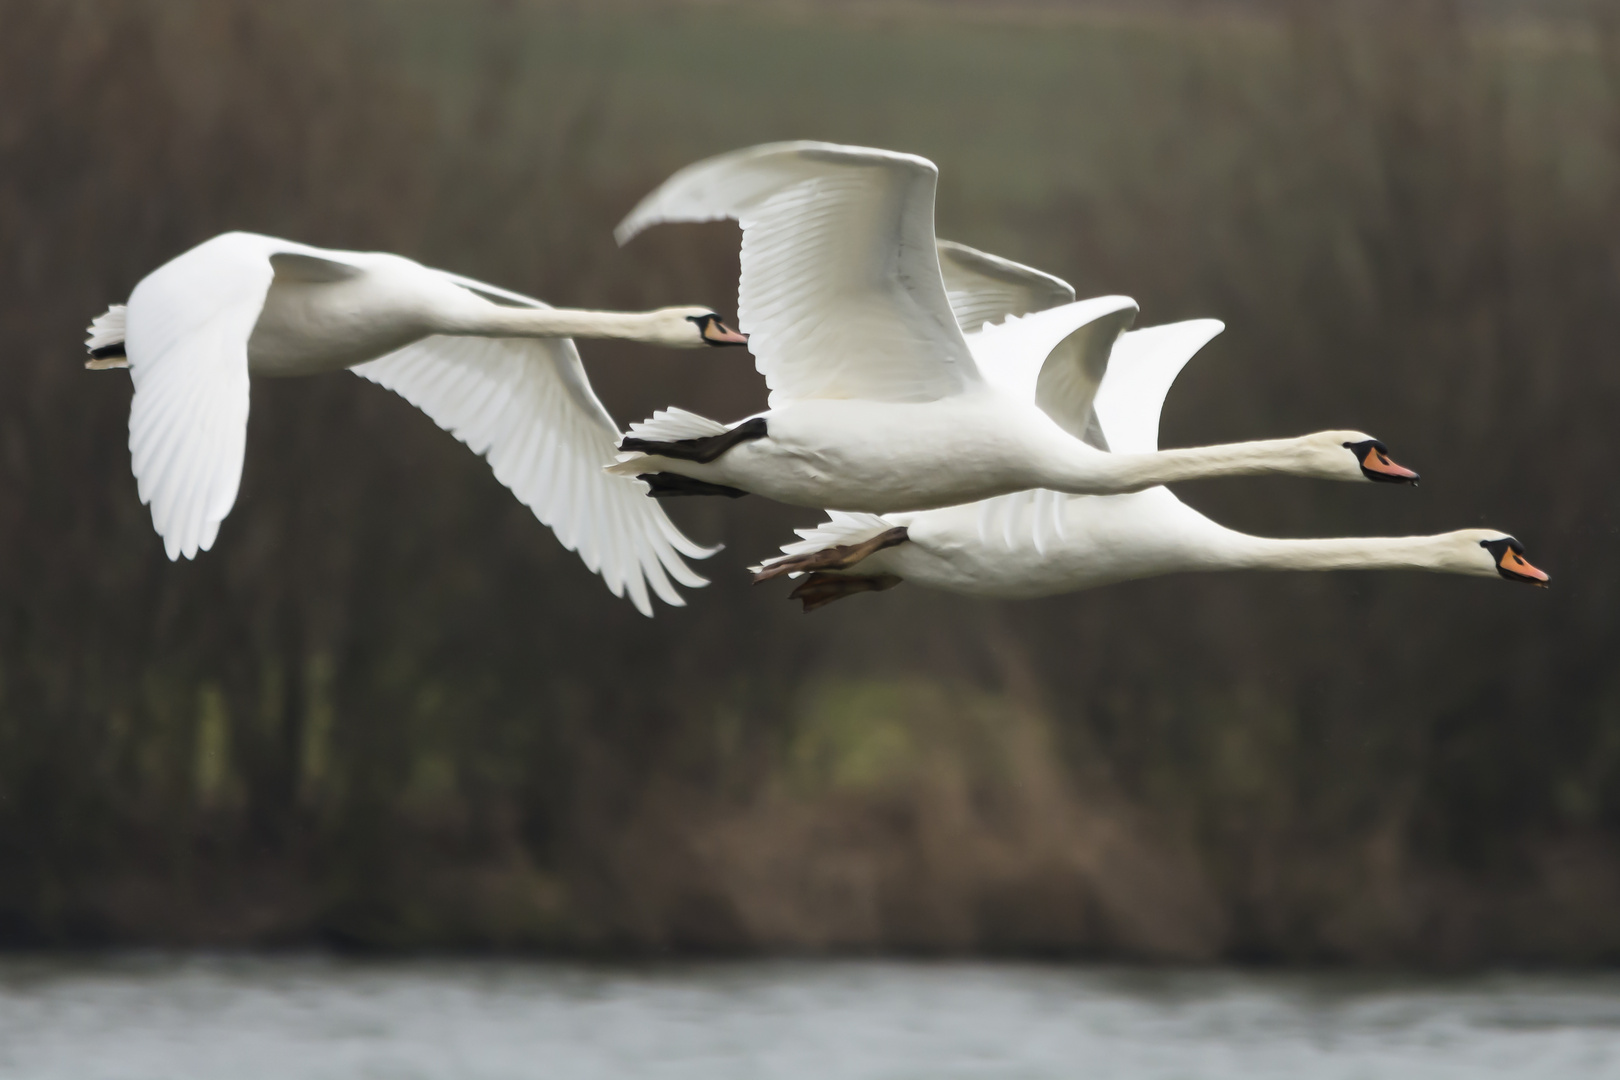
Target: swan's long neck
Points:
x,y
1235,550
1081,471
496,321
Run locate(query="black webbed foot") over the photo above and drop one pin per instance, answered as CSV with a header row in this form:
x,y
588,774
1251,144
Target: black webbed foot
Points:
x,y
819,590
664,485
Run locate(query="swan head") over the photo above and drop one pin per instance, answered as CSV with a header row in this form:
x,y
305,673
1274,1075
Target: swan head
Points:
x,y
1353,455
1507,558
692,328
1489,553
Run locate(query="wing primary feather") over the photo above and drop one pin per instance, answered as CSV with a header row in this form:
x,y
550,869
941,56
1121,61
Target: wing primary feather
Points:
x,y
525,406
841,287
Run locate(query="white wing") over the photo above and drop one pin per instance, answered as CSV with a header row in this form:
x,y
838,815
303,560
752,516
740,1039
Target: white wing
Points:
x,y
1144,364
985,288
1124,408
841,291
526,406
1056,358
187,331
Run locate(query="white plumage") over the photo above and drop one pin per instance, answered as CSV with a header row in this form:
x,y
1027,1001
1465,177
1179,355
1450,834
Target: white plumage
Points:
x,y
840,287
106,331
676,424
1041,543
877,403
984,288
490,366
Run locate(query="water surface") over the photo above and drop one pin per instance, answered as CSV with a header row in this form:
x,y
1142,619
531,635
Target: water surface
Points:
x,y
290,1018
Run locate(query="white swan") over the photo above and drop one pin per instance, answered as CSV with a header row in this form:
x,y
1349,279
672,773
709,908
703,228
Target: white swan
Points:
x,y
494,368
876,402
1041,543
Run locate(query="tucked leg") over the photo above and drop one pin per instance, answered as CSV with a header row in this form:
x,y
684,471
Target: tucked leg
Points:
x,y
841,557
702,450
667,485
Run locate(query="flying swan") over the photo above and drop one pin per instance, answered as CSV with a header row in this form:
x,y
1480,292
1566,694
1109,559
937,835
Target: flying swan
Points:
x,y
1041,543
877,403
495,369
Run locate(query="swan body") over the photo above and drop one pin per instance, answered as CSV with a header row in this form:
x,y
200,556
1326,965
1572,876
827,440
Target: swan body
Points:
x,y
494,368
884,457
1042,543
877,402
875,456
1114,538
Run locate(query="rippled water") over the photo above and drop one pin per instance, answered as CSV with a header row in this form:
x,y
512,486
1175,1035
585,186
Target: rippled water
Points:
x,y
310,1017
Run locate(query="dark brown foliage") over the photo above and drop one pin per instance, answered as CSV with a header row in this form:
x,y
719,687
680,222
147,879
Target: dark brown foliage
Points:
x,y
389,711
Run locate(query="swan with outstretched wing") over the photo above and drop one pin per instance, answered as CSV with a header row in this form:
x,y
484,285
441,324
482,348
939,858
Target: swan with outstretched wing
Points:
x,y
877,402
494,368
1042,543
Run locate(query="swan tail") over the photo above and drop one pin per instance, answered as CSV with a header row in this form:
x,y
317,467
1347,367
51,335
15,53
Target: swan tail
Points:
x,y
676,425
105,340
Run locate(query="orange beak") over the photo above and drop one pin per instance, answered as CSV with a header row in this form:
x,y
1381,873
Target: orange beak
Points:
x,y
716,332
1514,567
1377,461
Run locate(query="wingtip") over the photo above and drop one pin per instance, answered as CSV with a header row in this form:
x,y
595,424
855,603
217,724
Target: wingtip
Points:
x,y
626,230
1117,303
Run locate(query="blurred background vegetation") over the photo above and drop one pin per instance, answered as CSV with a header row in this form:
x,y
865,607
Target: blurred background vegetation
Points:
x,y
389,712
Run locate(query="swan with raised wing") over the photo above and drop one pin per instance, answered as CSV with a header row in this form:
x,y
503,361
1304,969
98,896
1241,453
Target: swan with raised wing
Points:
x,y
1041,543
877,404
492,367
